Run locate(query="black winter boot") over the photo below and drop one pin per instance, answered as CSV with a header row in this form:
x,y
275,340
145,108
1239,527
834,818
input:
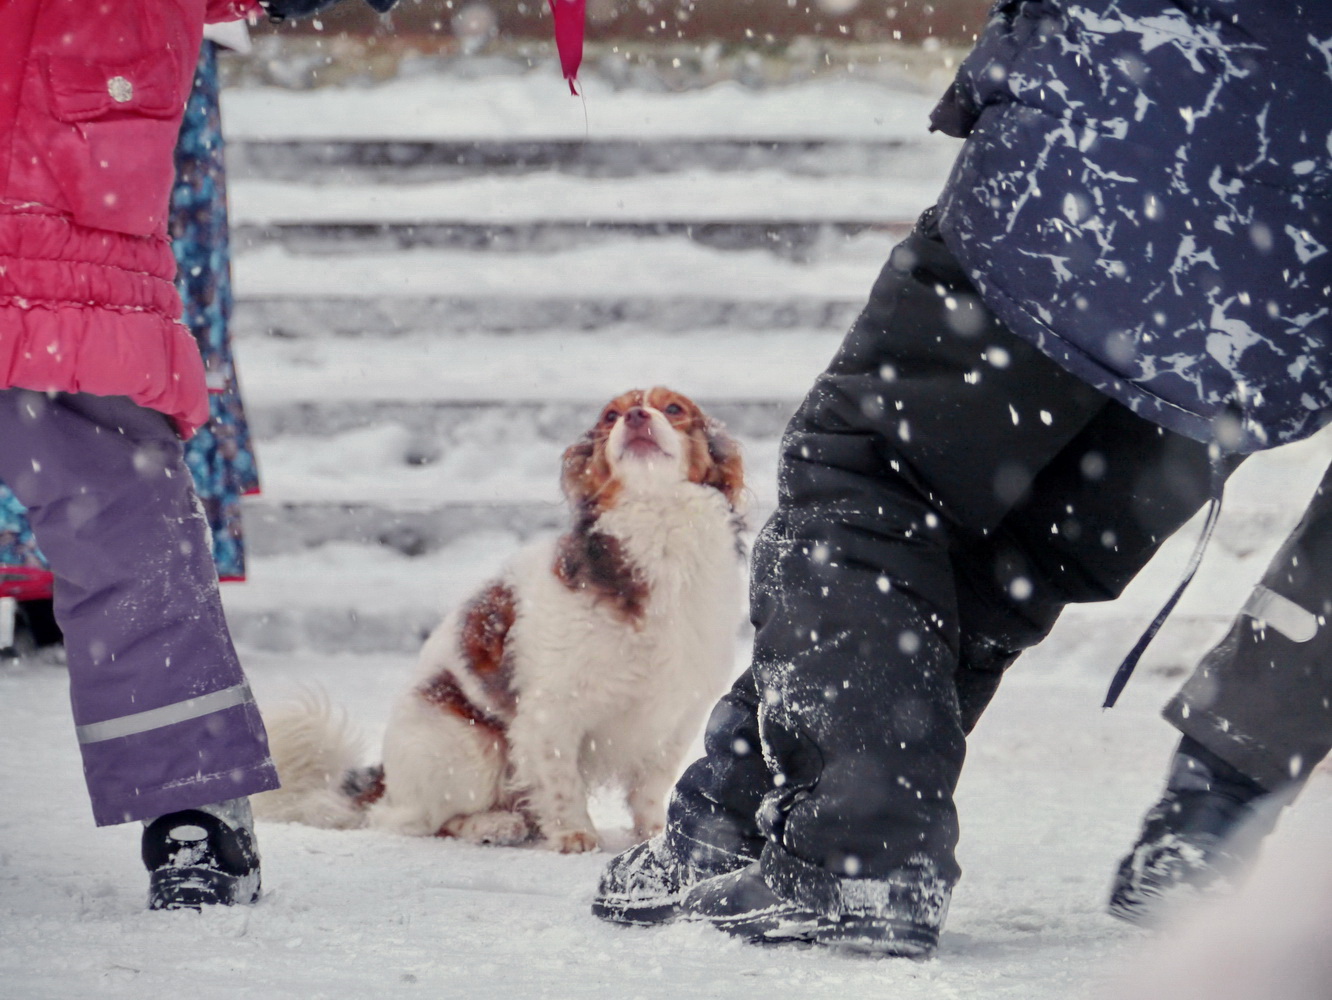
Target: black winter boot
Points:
x,y
202,857
1209,822
646,884
899,917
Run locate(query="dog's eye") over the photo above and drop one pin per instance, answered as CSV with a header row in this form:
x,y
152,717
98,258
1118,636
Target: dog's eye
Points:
x,y
674,409
610,417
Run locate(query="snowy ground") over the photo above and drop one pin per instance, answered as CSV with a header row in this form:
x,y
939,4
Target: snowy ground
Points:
x,y
1053,789
1050,798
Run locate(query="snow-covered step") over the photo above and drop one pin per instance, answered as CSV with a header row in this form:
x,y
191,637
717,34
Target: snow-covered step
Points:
x,y
694,196
576,369
419,160
793,240
444,423
662,271
536,106
659,284
302,317
795,216
286,528
277,529
395,485
356,597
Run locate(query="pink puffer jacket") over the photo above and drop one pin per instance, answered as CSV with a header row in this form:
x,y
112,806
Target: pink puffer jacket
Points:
x,y
91,100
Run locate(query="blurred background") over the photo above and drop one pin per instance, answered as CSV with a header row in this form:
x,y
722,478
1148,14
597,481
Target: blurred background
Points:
x,y
680,40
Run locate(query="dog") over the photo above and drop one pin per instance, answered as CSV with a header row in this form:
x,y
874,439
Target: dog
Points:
x,y
590,660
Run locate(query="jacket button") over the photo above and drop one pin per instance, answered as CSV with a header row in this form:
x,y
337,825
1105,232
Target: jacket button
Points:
x,y
120,89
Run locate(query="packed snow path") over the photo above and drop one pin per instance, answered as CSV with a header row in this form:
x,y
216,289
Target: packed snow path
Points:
x,y
1050,797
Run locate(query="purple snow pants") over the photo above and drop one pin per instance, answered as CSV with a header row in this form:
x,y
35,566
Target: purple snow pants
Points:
x,y
162,710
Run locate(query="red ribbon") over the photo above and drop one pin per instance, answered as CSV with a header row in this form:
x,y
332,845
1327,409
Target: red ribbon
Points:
x,y
569,16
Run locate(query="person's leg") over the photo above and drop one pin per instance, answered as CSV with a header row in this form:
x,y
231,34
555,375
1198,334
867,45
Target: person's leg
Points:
x,y
1261,700
163,713
1092,519
1117,464
907,499
927,375
911,558
928,427
1254,719
711,815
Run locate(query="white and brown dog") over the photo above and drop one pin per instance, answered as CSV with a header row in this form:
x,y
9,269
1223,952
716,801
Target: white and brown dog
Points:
x,y
590,661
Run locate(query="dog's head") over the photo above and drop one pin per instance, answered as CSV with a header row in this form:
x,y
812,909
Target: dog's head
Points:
x,y
646,438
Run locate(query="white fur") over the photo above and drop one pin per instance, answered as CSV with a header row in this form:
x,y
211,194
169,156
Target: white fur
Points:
x,y
599,701
314,747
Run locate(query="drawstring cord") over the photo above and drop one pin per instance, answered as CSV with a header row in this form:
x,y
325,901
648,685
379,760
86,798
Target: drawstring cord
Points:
x,y
1218,485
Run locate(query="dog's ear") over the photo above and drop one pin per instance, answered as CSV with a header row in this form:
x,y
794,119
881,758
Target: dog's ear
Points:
x,y
726,471
578,478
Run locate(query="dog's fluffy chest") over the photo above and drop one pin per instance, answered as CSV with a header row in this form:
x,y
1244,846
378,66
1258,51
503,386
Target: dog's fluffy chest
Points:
x,y
681,546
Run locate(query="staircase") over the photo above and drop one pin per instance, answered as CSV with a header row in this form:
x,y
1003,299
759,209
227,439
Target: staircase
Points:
x,y
432,306
441,279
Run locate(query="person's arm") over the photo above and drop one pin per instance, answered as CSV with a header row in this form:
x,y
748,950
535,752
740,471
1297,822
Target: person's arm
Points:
x,y
218,11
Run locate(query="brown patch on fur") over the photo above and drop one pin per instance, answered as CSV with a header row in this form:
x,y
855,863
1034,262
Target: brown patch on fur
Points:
x,y
443,692
483,642
589,560
724,469
364,786
586,475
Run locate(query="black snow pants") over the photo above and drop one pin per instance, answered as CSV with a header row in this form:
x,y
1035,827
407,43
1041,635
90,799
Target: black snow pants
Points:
x,y
1261,700
944,490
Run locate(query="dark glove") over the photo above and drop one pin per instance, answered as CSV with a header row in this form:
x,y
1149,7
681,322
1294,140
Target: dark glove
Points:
x,y
280,10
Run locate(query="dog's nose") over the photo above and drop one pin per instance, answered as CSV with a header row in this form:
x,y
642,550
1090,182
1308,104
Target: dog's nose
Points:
x,y
636,417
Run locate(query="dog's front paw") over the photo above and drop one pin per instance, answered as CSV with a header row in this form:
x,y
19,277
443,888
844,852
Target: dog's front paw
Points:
x,y
575,842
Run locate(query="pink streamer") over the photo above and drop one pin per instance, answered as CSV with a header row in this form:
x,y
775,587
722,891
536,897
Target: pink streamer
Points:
x,y
569,17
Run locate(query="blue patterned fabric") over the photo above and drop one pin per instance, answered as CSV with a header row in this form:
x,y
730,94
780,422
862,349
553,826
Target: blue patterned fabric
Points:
x,y
220,456
17,546
1145,196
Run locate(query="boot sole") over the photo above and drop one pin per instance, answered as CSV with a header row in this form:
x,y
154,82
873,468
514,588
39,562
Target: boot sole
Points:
x,y
864,935
195,888
775,925
637,913
870,936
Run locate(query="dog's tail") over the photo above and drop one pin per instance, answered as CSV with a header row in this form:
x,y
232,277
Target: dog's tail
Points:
x,y
317,754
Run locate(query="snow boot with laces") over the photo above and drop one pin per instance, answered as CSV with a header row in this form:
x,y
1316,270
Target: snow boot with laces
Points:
x,y
202,857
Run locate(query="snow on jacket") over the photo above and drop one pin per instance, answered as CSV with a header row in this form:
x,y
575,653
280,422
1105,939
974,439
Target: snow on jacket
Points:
x,y
1144,195
91,99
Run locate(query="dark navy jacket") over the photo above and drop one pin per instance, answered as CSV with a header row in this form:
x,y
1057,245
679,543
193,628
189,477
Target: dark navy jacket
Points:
x,y
1146,194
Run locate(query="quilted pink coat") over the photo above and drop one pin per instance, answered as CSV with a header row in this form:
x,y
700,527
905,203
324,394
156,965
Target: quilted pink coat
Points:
x,y
91,98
